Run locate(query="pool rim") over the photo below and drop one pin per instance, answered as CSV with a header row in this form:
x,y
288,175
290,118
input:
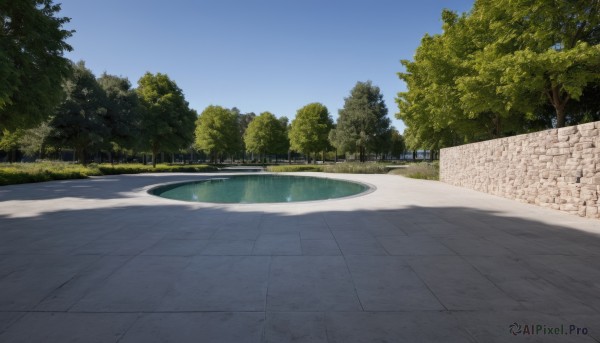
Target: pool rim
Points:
x,y
370,188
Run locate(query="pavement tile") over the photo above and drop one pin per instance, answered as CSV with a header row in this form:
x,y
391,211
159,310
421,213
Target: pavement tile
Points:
x,y
300,327
458,285
45,327
219,283
311,283
211,327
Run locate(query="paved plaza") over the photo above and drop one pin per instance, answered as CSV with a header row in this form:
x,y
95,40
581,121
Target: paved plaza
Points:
x,y
100,260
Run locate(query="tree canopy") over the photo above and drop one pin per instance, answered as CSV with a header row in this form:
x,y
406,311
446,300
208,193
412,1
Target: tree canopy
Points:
x,y
266,134
506,67
310,129
32,66
80,121
122,111
167,122
217,132
362,124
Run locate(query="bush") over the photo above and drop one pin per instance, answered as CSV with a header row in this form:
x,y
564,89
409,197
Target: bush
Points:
x,y
346,167
108,169
46,171
423,170
295,168
356,168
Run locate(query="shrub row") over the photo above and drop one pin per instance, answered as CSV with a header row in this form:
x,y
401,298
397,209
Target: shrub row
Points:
x,y
356,168
11,174
295,168
423,170
348,168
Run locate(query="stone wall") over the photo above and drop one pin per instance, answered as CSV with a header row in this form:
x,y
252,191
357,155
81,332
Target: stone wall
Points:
x,y
558,168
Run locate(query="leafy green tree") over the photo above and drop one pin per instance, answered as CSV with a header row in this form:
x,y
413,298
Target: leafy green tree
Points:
x,y
34,140
9,142
32,65
541,52
80,121
502,69
310,129
363,123
167,122
266,134
397,144
244,120
282,141
217,132
123,112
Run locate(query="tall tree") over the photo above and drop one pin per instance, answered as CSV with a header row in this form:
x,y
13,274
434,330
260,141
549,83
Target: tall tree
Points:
x,y
167,122
80,121
309,131
34,141
266,134
123,111
282,141
243,121
9,142
217,132
32,65
363,121
502,69
540,52
397,145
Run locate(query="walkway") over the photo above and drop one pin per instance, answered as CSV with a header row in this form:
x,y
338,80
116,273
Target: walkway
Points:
x,y
100,260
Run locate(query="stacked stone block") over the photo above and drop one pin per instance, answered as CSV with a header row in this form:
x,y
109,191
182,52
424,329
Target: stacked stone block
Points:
x,y
558,168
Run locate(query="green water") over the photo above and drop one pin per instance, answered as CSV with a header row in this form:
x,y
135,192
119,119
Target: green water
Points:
x,y
260,189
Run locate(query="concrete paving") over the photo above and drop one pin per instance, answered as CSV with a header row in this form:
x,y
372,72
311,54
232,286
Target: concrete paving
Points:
x,y
100,260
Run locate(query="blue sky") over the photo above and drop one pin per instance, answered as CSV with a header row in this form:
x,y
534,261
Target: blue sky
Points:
x,y
257,55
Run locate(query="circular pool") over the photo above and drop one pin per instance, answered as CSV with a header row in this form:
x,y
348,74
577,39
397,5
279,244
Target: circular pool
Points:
x,y
260,189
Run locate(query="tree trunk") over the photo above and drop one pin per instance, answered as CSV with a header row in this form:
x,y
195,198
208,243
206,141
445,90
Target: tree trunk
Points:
x,y
559,104
154,155
361,153
81,156
560,116
172,158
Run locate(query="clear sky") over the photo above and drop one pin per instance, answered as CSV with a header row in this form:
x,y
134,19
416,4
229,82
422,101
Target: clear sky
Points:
x,y
257,55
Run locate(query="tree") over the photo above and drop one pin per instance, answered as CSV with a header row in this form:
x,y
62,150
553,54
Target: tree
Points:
x,y
122,111
541,52
501,70
9,142
309,131
32,65
33,142
282,141
80,120
243,122
266,134
363,121
217,132
167,122
397,145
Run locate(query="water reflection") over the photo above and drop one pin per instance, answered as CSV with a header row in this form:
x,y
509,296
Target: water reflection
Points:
x,y
261,189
